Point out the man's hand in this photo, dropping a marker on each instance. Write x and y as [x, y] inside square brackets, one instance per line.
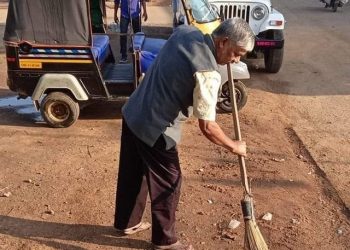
[214, 133]
[145, 16]
[116, 19]
[240, 148]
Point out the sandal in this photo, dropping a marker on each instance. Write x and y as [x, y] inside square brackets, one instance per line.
[176, 246]
[142, 226]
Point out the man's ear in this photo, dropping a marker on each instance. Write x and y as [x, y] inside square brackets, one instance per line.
[223, 41]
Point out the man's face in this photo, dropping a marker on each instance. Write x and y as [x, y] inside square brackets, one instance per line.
[227, 52]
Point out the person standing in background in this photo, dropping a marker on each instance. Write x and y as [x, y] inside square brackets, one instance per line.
[98, 14]
[130, 12]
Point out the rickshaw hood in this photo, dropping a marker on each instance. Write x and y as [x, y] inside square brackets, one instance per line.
[53, 22]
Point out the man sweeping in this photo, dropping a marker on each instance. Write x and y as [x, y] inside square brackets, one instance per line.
[183, 80]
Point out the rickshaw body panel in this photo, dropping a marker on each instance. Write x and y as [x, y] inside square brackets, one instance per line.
[26, 69]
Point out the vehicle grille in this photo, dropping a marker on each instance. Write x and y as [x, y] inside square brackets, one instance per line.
[235, 10]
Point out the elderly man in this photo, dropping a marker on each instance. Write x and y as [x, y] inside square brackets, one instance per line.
[183, 80]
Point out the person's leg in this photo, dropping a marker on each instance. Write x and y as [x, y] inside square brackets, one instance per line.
[136, 27]
[132, 186]
[124, 24]
[136, 24]
[164, 181]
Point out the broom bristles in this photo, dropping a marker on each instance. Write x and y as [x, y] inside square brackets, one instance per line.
[253, 237]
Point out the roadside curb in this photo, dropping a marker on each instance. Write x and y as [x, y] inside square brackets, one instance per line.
[330, 189]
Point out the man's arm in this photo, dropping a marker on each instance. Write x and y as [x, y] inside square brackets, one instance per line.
[116, 7]
[144, 14]
[204, 108]
[214, 133]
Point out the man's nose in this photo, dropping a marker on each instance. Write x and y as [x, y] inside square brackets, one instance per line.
[236, 59]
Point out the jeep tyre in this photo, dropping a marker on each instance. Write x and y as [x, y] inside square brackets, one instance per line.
[335, 6]
[273, 58]
[241, 96]
[59, 110]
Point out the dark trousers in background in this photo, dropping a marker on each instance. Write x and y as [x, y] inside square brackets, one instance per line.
[124, 24]
[143, 170]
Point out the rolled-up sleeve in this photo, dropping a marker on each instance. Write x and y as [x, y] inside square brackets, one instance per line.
[205, 94]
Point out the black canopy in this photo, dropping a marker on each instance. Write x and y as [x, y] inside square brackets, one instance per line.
[51, 22]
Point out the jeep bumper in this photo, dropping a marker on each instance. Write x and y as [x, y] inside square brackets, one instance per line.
[261, 44]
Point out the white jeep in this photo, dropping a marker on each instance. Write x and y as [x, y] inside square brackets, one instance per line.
[267, 24]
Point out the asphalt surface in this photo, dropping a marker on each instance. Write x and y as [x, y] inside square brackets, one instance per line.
[315, 80]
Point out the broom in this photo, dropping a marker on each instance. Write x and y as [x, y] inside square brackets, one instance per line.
[253, 239]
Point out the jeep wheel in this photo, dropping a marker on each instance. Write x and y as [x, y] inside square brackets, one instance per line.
[335, 5]
[273, 60]
[241, 96]
[274, 57]
[59, 110]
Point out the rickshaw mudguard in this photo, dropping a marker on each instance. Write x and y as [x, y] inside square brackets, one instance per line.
[239, 71]
[59, 82]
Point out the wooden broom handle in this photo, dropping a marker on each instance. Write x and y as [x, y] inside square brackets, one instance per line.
[237, 130]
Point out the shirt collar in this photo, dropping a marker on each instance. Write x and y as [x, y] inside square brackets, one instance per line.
[210, 42]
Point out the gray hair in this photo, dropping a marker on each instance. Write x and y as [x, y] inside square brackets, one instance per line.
[238, 32]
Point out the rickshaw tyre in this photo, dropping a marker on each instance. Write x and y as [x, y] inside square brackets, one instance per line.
[241, 97]
[59, 110]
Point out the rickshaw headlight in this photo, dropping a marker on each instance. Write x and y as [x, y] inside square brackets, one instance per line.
[258, 12]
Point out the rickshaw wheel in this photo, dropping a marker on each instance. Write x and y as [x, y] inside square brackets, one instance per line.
[59, 110]
[241, 96]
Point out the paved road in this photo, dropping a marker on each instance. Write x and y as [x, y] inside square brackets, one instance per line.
[315, 82]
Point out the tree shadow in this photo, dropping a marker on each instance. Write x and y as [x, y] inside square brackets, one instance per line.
[53, 234]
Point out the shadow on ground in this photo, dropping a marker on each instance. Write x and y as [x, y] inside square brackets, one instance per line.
[53, 234]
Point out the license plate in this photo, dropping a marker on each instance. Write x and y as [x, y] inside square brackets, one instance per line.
[30, 65]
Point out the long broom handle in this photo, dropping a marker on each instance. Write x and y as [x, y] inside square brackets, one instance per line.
[237, 130]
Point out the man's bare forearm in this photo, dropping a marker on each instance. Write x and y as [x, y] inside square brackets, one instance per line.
[215, 134]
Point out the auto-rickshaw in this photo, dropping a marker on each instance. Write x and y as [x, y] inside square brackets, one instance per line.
[54, 58]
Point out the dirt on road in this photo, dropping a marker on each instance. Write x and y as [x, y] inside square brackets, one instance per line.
[58, 185]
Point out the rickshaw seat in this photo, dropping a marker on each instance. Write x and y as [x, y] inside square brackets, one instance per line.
[148, 48]
[138, 40]
[153, 45]
[100, 47]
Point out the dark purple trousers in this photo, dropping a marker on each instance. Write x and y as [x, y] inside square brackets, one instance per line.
[148, 170]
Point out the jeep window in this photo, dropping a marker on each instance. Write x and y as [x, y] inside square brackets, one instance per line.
[202, 11]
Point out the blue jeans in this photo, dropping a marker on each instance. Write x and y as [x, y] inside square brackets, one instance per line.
[124, 25]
